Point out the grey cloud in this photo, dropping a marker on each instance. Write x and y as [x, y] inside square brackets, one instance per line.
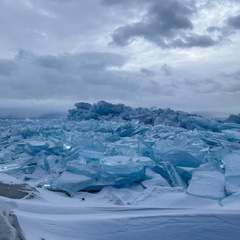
[86, 75]
[167, 24]
[221, 83]
[234, 21]
[51, 62]
[171, 15]
[99, 60]
[230, 82]
[7, 67]
[148, 72]
[154, 88]
[207, 86]
[195, 40]
[197, 86]
[214, 28]
[120, 2]
[50, 27]
[236, 75]
[166, 70]
[232, 24]
[86, 60]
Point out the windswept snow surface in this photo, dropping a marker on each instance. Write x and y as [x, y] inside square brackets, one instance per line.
[56, 216]
[124, 173]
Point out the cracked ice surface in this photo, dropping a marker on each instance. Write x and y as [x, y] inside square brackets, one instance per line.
[105, 148]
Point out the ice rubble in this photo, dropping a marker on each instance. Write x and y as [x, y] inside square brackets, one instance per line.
[108, 111]
[114, 145]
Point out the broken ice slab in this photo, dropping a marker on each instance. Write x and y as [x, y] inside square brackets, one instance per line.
[229, 125]
[70, 182]
[209, 184]
[145, 148]
[153, 179]
[125, 130]
[35, 146]
[125, 169]
[91, 155]
[125, 160]
[91, 170]
[10, 168]
[21, 164]
[232, 135]
[215, 156]
[53, 160]
[115, 160]
[28, 133]
[133, 170]
[140, 130]
[180, 158]
[170, 174]
[58, 147]
[233, 118]
[232, 184]
[232, 201]
[192, 145]
[146, 161]
[6, 156]
[232, 172]
[232, 164]
[185, 173]
[181, 150]
[123, 166]
[112, 138]
[201, 123]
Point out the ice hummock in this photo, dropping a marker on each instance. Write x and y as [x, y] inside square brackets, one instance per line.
[113, 145]
[108, 111]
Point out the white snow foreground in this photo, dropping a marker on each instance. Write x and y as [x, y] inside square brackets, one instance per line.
[156, 213]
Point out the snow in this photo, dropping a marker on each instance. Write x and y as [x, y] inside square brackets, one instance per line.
[56, 216]
[5, 178]
[130, 224]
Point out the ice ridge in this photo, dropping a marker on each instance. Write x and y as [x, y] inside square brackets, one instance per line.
[114, 145]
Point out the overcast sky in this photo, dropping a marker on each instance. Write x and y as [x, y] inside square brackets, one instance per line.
[166, 53]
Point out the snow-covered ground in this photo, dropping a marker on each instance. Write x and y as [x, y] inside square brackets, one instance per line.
[105, 215]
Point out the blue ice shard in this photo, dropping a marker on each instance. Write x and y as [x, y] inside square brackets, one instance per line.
[167, 170]
[70, 182]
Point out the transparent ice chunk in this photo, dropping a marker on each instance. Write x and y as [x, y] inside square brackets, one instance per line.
[70, 182]
[154, 179]
[91, 170]
[35, 146]
[170, 174]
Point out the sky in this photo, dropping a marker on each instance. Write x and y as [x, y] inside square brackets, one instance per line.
[182, 54]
